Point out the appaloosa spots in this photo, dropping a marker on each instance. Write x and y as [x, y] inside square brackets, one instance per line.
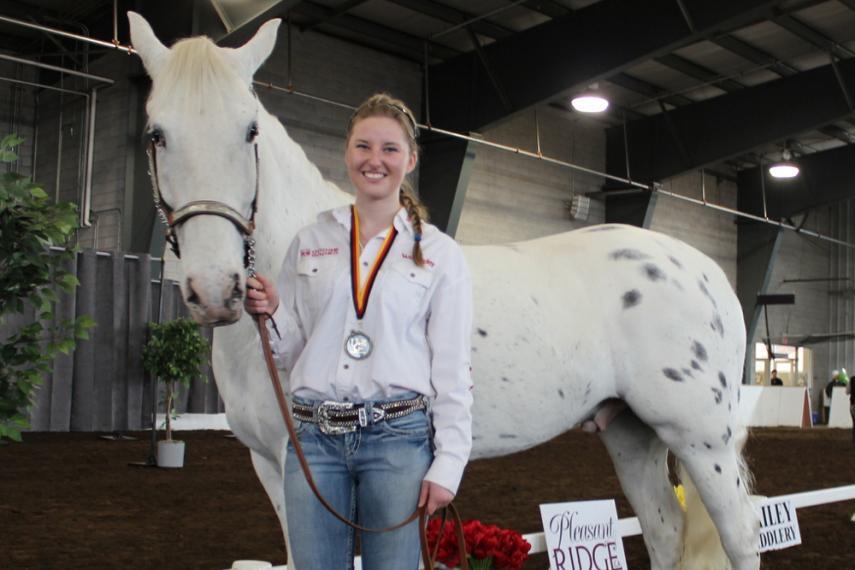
[687, 372]
[717, 325]
[631, 298]
[505, 379]
[696, 365]
[727, 435]
[706, 293]
[708, 446]
[561, 393]
[704, 275]
[717, 394]
[629, 254]
[722, 379]
[673, 374]
[482, 332]
[675, 261]
[652, 272]
[507, 436]
[699, 351]
[534, 300]
[718, 468]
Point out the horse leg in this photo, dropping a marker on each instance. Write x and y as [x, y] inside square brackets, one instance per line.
[270, 473]
[640, 460]
[718, 475]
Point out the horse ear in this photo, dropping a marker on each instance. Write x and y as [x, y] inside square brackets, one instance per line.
[145, 43]
[252, 54]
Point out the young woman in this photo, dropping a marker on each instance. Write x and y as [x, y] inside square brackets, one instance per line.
[371, 319]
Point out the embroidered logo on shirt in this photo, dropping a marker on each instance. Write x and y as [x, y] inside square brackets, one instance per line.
[428, 262]
[319, 252]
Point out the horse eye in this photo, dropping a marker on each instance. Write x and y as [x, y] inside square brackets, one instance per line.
[157, 138]
[252, 132]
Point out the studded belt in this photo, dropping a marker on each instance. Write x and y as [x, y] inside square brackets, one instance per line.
[334, 418]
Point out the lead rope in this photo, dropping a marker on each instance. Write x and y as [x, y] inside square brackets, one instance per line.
[420, 513]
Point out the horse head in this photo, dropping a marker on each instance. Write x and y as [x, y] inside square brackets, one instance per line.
[203, 137]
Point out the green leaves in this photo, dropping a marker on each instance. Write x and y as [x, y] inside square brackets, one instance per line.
[29, 273]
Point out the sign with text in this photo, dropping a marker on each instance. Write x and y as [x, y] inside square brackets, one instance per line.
[583, 535]
[779, 526]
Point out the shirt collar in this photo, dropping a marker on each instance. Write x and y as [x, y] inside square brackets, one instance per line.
[342, 216]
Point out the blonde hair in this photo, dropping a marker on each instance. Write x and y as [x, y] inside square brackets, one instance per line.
[384, 105]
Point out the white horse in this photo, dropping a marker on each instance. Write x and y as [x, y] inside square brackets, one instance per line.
[564, 324]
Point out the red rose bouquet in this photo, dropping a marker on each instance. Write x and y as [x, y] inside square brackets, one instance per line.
[488, 546]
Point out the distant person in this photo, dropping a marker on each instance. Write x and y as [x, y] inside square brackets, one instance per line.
[851, 411]
[826, 394]
[775, 381]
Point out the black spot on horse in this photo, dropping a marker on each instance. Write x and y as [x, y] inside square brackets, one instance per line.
[738, 394]
[722, 379]
[504, 379]
[687, 372]
[672, 374]
[677, 284]
[482, 332]
[717, 393]
[706, 293]
[534, 300]
[717, 325]
[652, 271]
[661, 519]
[699, 351]
[629, 254]
[631, 298]
[507, 436]
[561, 393]
[704, 275]
[708, 446]
[717, 468]
[696, 365]
[727, 435]
[675, 261]
[738, 482]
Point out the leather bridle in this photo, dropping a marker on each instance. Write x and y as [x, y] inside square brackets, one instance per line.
[173, 218]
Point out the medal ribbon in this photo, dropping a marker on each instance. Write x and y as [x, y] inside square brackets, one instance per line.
[360, 294]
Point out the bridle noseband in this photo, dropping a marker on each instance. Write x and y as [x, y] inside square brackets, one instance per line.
[173, 218]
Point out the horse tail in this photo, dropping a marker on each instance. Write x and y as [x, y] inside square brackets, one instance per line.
[702, 548]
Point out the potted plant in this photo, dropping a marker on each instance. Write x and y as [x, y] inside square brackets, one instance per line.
[174, 353]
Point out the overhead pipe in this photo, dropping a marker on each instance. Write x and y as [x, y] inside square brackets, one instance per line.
[90, 159]
[56, 68]
[63, 33]
[269, 85]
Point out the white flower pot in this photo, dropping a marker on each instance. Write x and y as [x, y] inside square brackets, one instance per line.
[170, 454]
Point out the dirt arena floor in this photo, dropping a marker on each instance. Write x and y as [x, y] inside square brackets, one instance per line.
[71, 501]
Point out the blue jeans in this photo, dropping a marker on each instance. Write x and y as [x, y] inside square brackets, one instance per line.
[372, 476]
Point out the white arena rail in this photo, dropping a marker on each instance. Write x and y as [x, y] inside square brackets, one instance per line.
[630, 526]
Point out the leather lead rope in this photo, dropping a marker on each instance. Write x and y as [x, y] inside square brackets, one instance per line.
[420, 513]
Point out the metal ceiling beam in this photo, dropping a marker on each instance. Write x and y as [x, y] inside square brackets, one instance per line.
[374, 34]
[754, 54]
[811, 36]
[653, 92]
[825, 178]
[699, 72]
[548, 8]
[575, 50]
[335, 12]
[451, 15]
[727, 126]
[241, 35]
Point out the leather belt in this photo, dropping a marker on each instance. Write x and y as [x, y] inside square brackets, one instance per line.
[335, 418]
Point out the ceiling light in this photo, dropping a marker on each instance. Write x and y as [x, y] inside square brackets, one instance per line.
[786, 168]
[590, 102]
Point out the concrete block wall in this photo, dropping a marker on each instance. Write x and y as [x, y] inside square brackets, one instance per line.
[513, 197]
[712, 232]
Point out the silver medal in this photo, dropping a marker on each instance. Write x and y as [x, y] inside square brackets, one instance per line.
[358, 345]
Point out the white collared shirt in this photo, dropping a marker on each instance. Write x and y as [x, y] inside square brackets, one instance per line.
[418, 318]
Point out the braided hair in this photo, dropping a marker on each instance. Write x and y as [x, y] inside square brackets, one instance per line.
[384, 105]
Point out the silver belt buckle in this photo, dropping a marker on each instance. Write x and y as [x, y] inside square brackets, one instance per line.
[324, 419]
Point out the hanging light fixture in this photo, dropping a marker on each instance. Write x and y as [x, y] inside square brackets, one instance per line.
[590, 101]
[785, 168]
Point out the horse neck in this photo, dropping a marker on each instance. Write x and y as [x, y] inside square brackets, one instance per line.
[291, 195]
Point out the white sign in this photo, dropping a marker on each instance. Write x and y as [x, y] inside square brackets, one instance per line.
[583, 535]
[779, 526]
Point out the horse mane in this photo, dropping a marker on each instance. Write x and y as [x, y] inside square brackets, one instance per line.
[197, 74]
